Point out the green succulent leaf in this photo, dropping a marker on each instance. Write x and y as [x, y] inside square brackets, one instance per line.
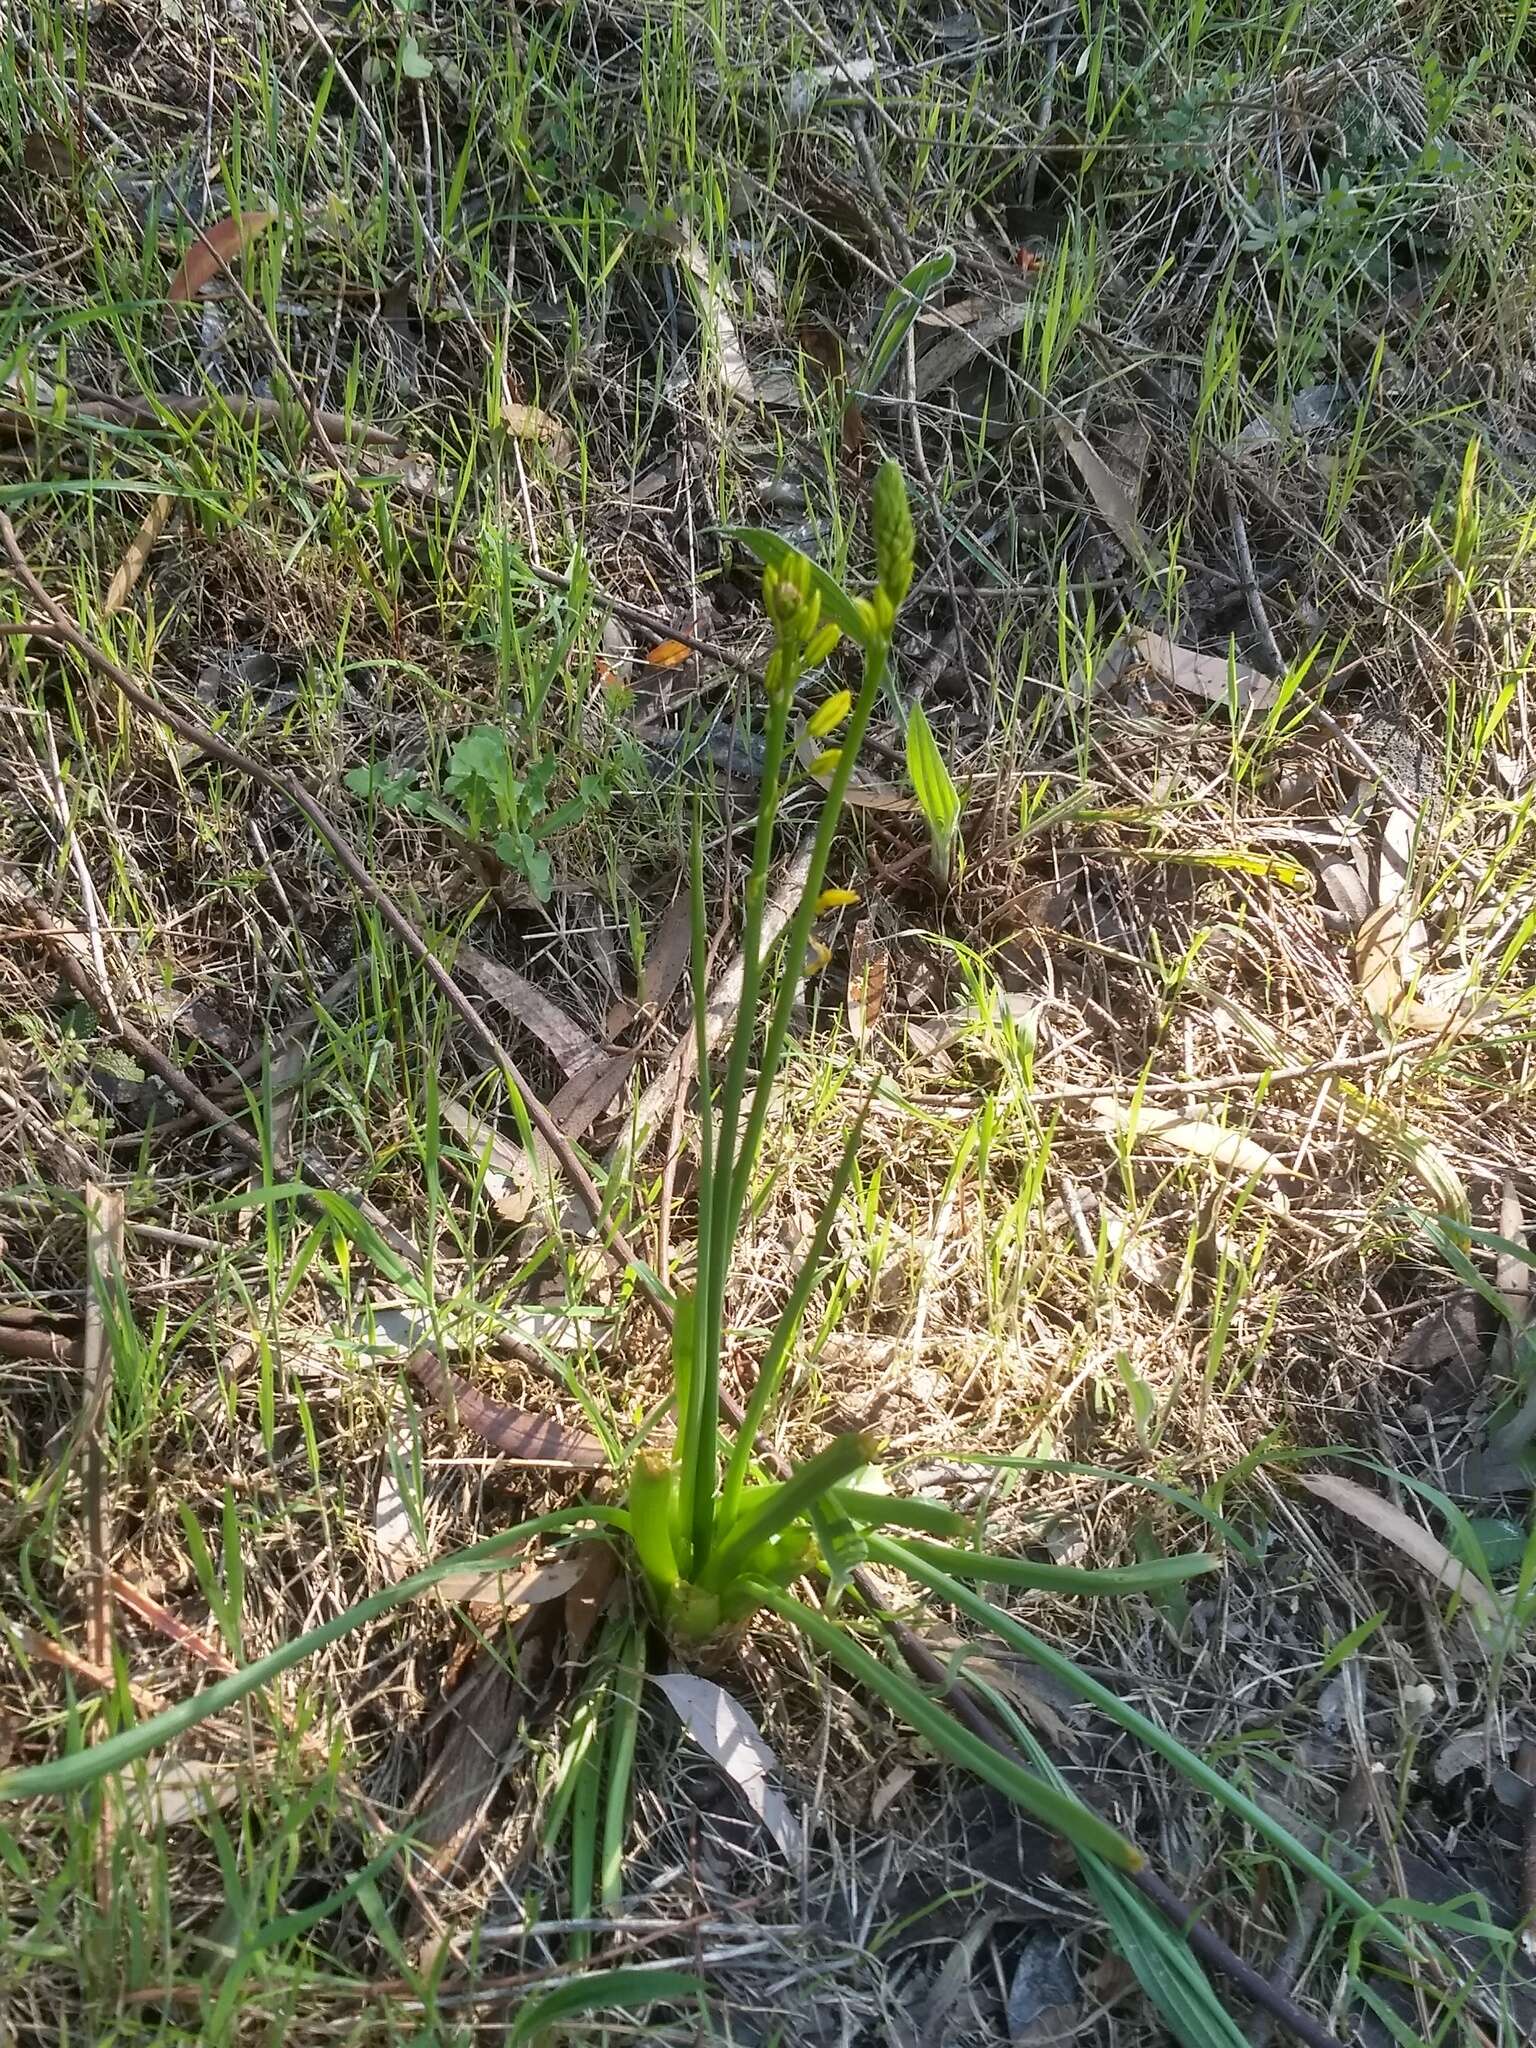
[769, 547]
[899, 312]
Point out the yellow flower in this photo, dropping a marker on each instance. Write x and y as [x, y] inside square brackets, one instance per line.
[835, 899]
[829, 716]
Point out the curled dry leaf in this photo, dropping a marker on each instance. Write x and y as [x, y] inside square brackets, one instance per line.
[668, 654]
[889, 1790]
[1511, 1272]
[866, 791]
[1391, 944]
[178, 1792]
[214, 250]
[1388, 1521]
[1201, 1140]
[715, 312]
[394, 1526]
[531, 1439]
[1397, 991]
[532, 423]
[1205, 675]
[507, 1170]
[866, 981]
[1115, 502]
[722, 1726]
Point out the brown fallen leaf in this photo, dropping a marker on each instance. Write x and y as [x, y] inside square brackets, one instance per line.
[587, 1598]
[214, 250]
[866, 791]
[961, 344]
[532, 423]
[530, 1439]
[1201, 1140]
[586, 1096]
[1388, 1521]
[890, 1789]
[1397, 991]
[560, 1035]
[662, 968]
[1205, 675]
[178, 1792]
[484, 1714]
[1116, 505]
[669, 654]
[131, 567]
[716, 303]
[722, 1727]
[508, 1174]
[866, 981]
[509, 1588]
[394, 1526]
[1512, 1277]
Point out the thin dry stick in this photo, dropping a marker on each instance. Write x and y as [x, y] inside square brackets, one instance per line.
[103, 1272]
[1179, 1912]
[151, 409]
[56, 624]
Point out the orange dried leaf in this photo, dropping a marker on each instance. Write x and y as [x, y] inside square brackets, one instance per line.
[669, 654]
[214, 250]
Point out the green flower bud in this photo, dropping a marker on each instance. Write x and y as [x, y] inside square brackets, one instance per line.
[785, 584]
[822, 644]
[779, 675]
[869, 618]
[809, 616]
[895, 541]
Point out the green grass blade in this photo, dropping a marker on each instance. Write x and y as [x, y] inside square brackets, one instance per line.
[891, 1511]
[899, 1557]
[88, 1766]
[623, 1735]
[771, 1368]
[934, 787]
[625, 1990]
[1153, 1576]
[1056, 1810]
[899, 312]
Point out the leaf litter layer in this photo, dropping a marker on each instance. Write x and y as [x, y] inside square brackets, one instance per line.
[1218, 438]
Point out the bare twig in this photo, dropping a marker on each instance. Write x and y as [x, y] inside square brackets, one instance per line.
[1206, 1944]
[151, 409]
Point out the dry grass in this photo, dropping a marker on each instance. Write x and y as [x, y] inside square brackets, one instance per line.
[1279, 279]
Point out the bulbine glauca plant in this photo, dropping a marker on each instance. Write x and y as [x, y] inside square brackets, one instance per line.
[714, 1539]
